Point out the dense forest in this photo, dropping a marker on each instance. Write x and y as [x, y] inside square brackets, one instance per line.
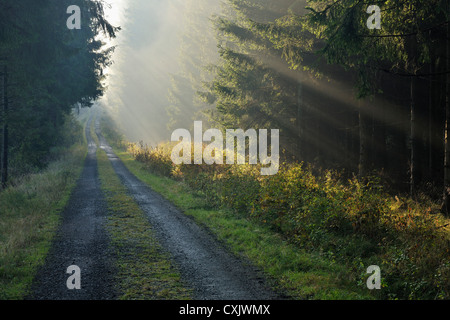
[360, 94]
[365, 101]
[346, 97]
[47, 71]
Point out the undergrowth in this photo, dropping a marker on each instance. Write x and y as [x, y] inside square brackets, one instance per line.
[351, 221]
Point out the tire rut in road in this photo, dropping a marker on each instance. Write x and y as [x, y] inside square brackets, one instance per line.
[81, 240]
[212, 272]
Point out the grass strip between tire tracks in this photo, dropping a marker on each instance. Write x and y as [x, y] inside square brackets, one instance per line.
[144, 269]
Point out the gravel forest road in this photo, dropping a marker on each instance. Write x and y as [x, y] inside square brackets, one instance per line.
[205, 264]
[81, 240]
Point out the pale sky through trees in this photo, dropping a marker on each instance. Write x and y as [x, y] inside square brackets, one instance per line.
[147, 52]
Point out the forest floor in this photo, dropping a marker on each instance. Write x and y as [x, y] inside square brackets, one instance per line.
[102, 235]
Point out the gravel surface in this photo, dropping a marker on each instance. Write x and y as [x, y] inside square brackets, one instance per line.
[81, 240]
[205, 264]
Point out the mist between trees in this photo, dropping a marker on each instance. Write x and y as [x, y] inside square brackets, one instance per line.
[364, 101]
[346, 97]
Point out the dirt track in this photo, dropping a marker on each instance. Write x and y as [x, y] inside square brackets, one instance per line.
[81, 240]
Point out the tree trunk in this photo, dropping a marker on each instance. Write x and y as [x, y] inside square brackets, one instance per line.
[300, 118]
[363, 137]
[413, 139]
[4, 167]
[381, 137]
[430, 126]
[446, 201]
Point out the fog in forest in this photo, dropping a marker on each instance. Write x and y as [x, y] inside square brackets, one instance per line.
[161, 40]
[149, 51]
[350, 98]
[180, 61]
